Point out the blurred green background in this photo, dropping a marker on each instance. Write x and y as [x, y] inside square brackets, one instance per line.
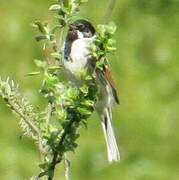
[146, 69]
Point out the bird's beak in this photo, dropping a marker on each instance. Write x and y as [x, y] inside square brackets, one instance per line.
[72, 27]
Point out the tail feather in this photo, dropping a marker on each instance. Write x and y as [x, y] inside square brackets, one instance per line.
[112, 148]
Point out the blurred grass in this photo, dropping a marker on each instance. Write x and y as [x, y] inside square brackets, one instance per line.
[145, 67]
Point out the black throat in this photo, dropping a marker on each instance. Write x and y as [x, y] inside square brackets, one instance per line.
[68, 43]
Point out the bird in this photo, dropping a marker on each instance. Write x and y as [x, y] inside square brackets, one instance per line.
[81, 34]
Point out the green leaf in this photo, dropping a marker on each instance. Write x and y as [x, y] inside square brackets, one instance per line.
[104, 43]
[55, 7]
[53, 68]
[33, 73]
[84, 111]
[40, 64]
[88, 103]
[111, 28]
[61, 114]
[81, 74]
[51, 80]
[70, 147]
[56, 55]
[40, 37]
[88, 78]
[42, 28]
[84, 89]
[60, 18]
[100, 65]
[72, 93]
[44, 166]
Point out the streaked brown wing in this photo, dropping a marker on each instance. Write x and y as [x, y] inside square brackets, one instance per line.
[108, 76]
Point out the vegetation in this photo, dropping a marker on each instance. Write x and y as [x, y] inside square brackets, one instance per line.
[56, 128]
[145, 67]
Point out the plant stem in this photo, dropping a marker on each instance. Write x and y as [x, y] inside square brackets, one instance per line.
[66, 166]
[25, 117]
[56, 157]
[109, 11]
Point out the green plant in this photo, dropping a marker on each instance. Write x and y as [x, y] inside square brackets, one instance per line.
[56, 129]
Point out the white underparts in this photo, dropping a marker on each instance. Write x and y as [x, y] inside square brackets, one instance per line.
[79, 55]
[80, 35]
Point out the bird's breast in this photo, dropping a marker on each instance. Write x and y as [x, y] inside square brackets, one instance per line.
[79, 55]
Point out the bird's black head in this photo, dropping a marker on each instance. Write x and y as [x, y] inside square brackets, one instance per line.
[81, 29]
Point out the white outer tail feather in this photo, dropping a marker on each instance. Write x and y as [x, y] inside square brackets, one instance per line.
[112, 148]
